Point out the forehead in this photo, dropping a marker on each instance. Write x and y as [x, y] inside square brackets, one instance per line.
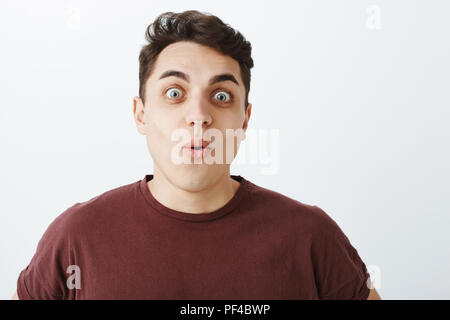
[198, 61]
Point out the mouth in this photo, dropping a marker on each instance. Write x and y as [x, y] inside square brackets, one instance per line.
[198, 145]
[198, 149]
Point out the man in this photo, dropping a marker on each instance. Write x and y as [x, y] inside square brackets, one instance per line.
[191, 230]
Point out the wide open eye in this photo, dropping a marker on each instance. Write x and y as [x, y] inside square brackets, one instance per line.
[223, 96]
[173, 93]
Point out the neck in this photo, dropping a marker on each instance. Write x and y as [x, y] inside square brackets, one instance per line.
[207, 200]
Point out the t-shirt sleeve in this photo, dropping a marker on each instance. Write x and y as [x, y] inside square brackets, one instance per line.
[340, 273]
[45, 276]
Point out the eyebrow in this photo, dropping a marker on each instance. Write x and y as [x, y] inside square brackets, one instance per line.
[213, 80]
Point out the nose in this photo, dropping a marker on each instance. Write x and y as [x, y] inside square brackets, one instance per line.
[198, 114]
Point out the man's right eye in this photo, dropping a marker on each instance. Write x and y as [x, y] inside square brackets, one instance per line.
[173, 93]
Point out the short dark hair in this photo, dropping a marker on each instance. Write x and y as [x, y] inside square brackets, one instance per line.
[199, 27]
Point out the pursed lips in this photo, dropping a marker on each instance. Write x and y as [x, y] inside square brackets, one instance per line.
[199, 145]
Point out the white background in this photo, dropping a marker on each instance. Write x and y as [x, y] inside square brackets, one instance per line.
[363, 116]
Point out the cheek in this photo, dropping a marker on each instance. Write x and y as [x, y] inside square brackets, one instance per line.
[159, 133]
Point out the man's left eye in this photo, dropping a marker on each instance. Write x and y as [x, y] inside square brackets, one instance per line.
[223, 96]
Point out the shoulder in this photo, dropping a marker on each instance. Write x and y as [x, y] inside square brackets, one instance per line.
[81, 216]
[305, 217]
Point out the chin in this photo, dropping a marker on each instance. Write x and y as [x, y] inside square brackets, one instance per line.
[194, 179]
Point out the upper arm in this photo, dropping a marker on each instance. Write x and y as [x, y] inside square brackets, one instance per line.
[15, 296]
[373, 295]
[44, 278]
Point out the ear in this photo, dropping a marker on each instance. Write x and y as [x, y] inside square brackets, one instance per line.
[138, 113]
[248, 113]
